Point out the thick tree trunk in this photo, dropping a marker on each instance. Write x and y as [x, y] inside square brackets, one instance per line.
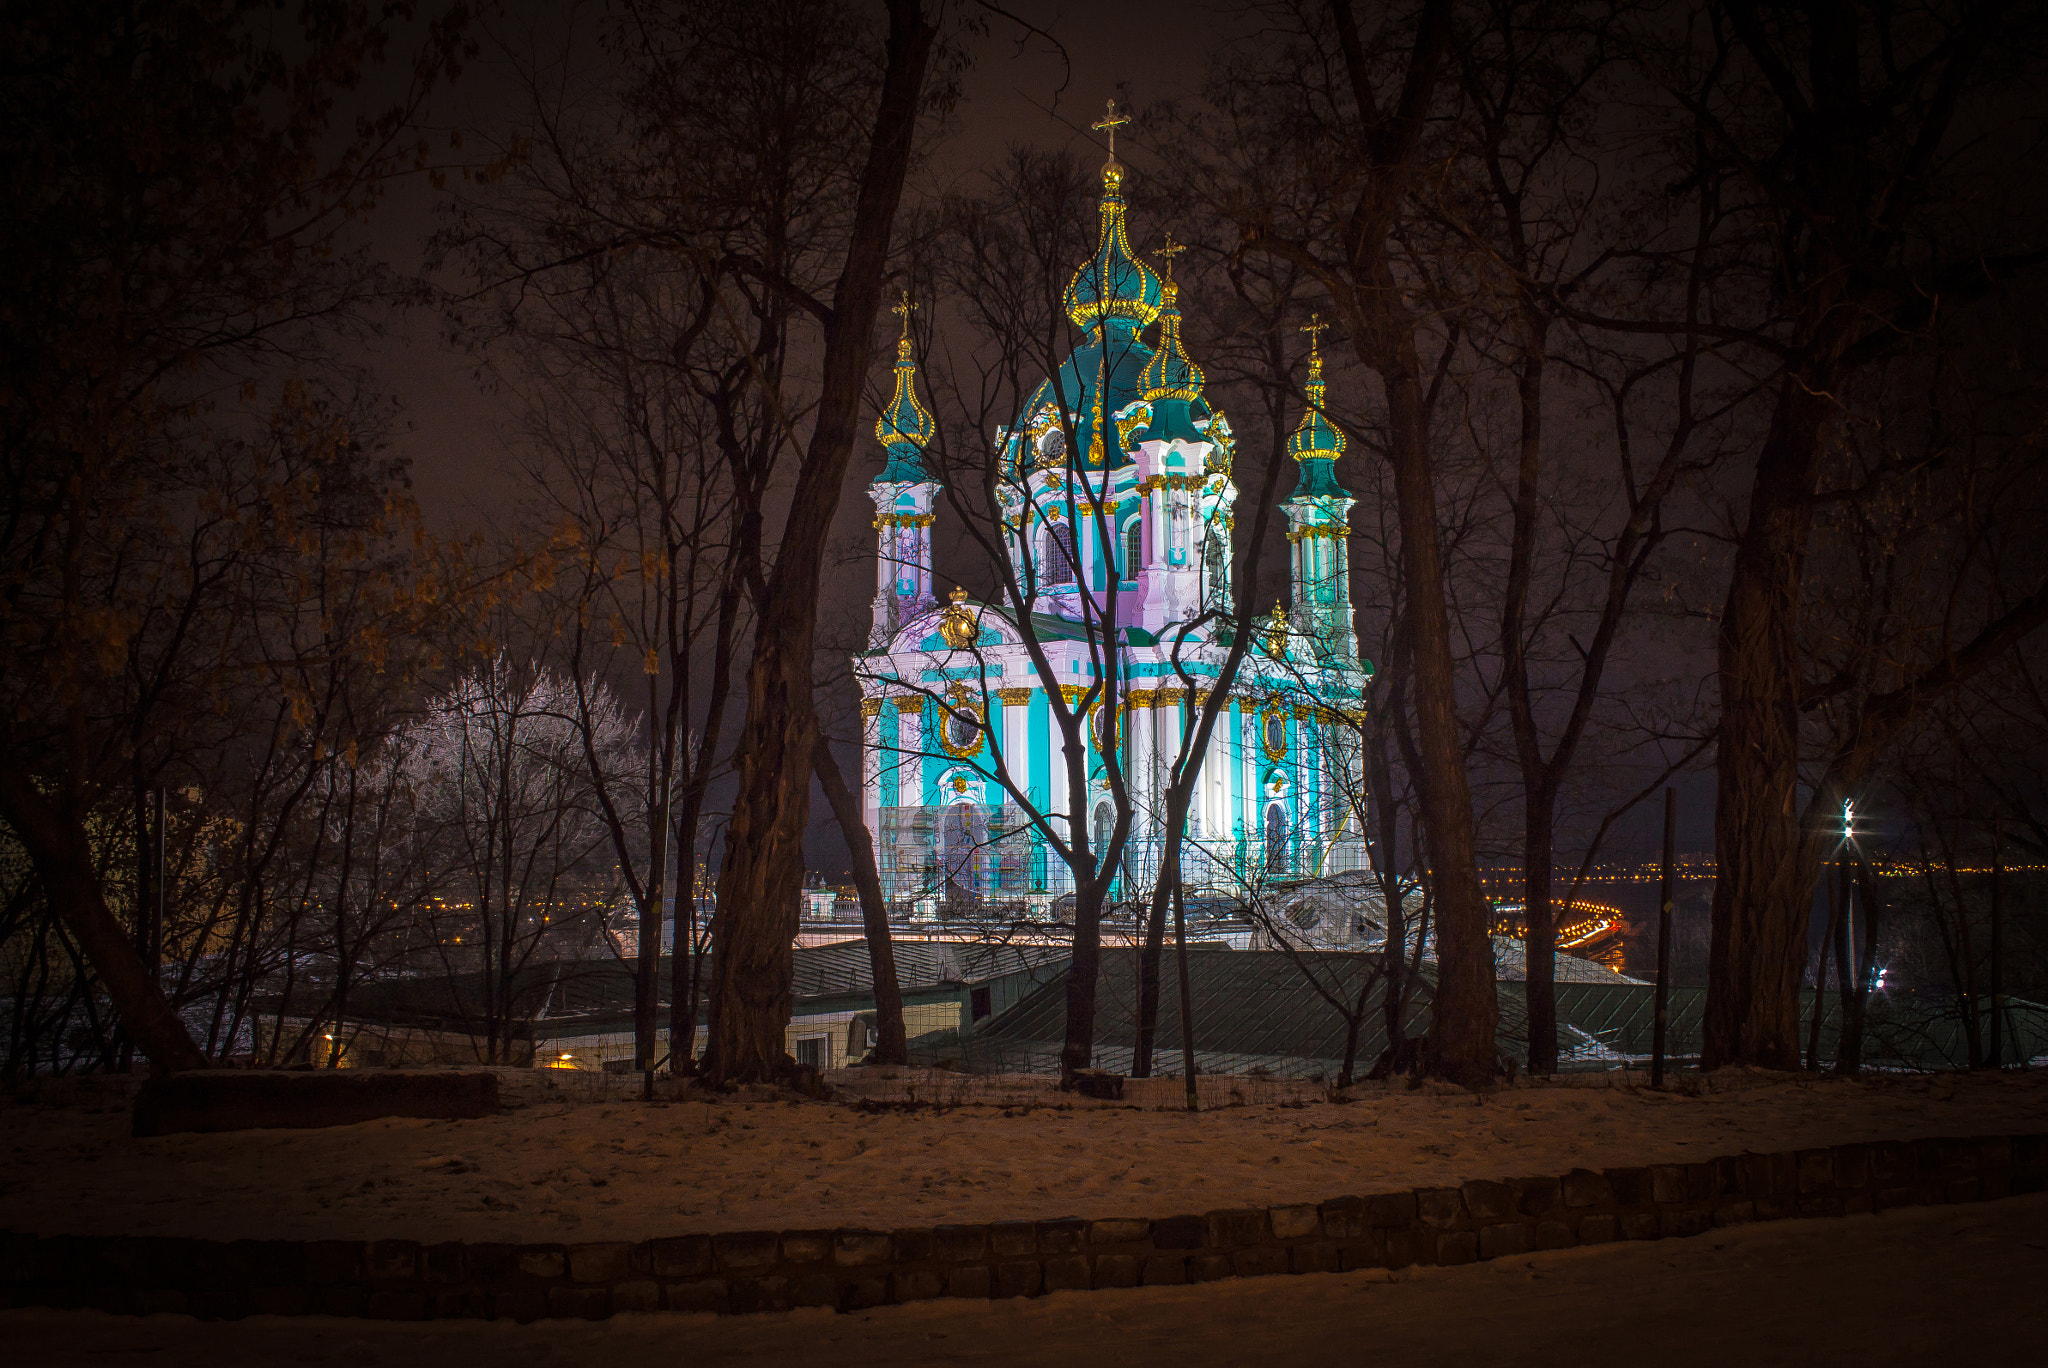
[891, 1047]
[1763, 888]
[62, 853]
[1466, 1011]
[1084, 971]
[762, 876]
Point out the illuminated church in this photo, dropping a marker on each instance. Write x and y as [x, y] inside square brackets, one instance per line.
[1116, 499]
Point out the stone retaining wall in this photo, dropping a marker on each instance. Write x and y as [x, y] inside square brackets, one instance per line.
[768, 1270]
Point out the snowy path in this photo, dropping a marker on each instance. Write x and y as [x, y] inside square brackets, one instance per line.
[556, 1169]
[1914, 1286]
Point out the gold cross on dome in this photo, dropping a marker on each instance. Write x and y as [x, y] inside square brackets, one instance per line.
[1315, 328]
[1167, 253]
[1109, 123]
[903, 311]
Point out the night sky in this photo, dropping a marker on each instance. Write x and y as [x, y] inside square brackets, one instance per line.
[459, 412]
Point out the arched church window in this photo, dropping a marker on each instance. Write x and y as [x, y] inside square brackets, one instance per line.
[1134, 548]
[1060, 561]
[1276, 838]
[1051, 446]
[1105, 826]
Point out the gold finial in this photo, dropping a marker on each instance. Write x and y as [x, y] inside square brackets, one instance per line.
[958, 623]
[1167, 253]
[1109, 123]
[903, 310]
[1315, 328]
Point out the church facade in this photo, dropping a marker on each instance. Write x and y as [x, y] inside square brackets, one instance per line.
[1115, 505]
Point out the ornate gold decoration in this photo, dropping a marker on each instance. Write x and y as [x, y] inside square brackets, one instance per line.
[1146, 486]
[1073, 693]
[959, 701]
[1272, 712]
[1130, 423]
[958, 624]
[1276, 635]
[1014, 698]
[910, 703]
[871, 707]
[1142, 698]
[903, 520]
[1169, 698]
[1302, 534]
[1222, 442]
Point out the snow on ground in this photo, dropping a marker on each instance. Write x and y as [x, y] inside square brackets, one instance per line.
[1911, 1287]
[567, 1162]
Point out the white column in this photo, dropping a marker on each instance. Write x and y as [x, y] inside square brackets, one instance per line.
[910, 748]
[1055, 741]
[871, 764]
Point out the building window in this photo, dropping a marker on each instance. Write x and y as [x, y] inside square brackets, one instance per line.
[1276, 838]
[1275, 735]
[1134, 548]
[810, 1051]
[977, 1004]
[1059, 561]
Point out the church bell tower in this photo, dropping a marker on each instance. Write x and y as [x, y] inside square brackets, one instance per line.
[903, 495]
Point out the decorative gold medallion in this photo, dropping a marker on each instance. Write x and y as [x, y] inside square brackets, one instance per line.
[958, 623]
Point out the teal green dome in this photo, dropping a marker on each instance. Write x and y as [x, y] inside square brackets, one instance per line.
[1316, 443]
[905, 426]
[1115, 284]
[1173, 383]
[1170, 374]
[1100, 379]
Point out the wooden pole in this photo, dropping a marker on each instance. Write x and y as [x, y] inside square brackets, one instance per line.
[1997, 944]
[1664, 940]
[1187, 1005]
[1820, 970]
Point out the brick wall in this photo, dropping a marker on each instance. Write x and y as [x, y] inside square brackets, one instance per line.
[745, 1271]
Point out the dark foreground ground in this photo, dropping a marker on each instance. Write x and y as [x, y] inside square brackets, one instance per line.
[1918, 1286]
